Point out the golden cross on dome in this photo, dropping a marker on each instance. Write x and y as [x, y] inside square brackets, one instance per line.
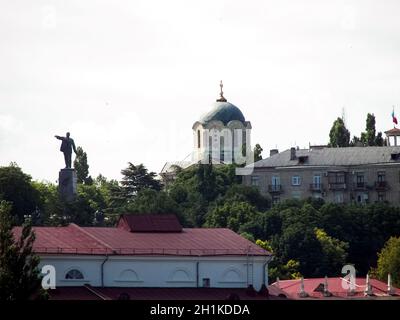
[221, 98]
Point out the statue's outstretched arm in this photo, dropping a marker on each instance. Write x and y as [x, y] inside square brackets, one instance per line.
[73, 146]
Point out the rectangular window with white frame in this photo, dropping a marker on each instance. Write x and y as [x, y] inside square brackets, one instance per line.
[296, 181]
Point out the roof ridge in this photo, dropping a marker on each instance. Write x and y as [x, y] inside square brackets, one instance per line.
[91, 236]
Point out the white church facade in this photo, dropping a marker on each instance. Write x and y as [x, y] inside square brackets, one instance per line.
[221, 136]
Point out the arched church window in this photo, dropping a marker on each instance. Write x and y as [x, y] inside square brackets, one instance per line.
[198, 139]
[222, 149]
[210, 144]
[74, 274]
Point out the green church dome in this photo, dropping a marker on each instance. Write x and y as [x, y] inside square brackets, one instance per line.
[223, 111]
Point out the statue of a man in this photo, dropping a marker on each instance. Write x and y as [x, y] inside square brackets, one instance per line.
[66, 147]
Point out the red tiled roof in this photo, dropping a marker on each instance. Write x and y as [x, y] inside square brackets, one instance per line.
[393, 131]
[113, 293]
[150, 223]
[292, 287]
[73, 239]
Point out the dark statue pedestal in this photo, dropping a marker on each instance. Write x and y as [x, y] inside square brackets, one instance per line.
[67, 181]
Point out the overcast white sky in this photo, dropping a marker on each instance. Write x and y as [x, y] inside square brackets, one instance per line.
[129, 78]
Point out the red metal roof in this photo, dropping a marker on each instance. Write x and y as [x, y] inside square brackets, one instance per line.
[150, 223]
[394, 131]
[73, 239]
[113, 293]
[292, 287]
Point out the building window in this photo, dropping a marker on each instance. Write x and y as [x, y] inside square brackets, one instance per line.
[360, 180]
[222, 149]
[206, 282]
[339, 198]
[276, 181]
[276, 199]
[336, 177]
[74, 274]
[316, 185]
[317, 195]
[255, 181]
[381, 197]
[362, 197]
[296, 180]
[198, 139]
[381, 176]
[296, 195]
[210, 147]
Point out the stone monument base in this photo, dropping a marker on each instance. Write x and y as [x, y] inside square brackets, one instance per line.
[67, 181]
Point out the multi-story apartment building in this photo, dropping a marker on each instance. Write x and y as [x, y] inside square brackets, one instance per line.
[341, 175]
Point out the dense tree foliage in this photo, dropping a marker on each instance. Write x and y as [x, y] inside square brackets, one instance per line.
[136, 178]
[257, 153]
[309, 238]
[322, 237]
[339, 136]
[369, 136]
[82, 167]
[389, 262]
[16, 187]
[19, 273]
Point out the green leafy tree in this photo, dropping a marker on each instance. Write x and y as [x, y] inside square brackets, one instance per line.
[287, 271]
[232, 215]
[19, 273]
[112, 194]
[370, 131]
[243, 193]
[257, 152]
[389, 261]
[16, 187]
[136, 178]
[356, 142]
[339, 136]
[379, 141]
[81, 166]
[49, 203]
[206, 181]
[150, 201]
[334, 253]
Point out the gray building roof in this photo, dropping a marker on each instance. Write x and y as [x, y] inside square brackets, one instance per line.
[170, 167]
[351, 156]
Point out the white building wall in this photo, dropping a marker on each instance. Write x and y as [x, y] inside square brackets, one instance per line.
[88, 265]
[134, 271]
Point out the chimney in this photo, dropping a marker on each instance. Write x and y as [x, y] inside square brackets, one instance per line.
[302, 293]
[390, 290]
[368, 288]
[326, 291]
[293, 153]
[273, 151]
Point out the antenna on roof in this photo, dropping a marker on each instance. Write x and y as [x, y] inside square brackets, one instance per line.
[344, 115]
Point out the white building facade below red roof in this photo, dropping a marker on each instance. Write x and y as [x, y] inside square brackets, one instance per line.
[116, 257]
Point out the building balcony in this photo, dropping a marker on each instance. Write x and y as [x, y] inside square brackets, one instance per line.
[381, 185]
[360, 186]
[275, 188]
[316, 187]
[337, 186]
